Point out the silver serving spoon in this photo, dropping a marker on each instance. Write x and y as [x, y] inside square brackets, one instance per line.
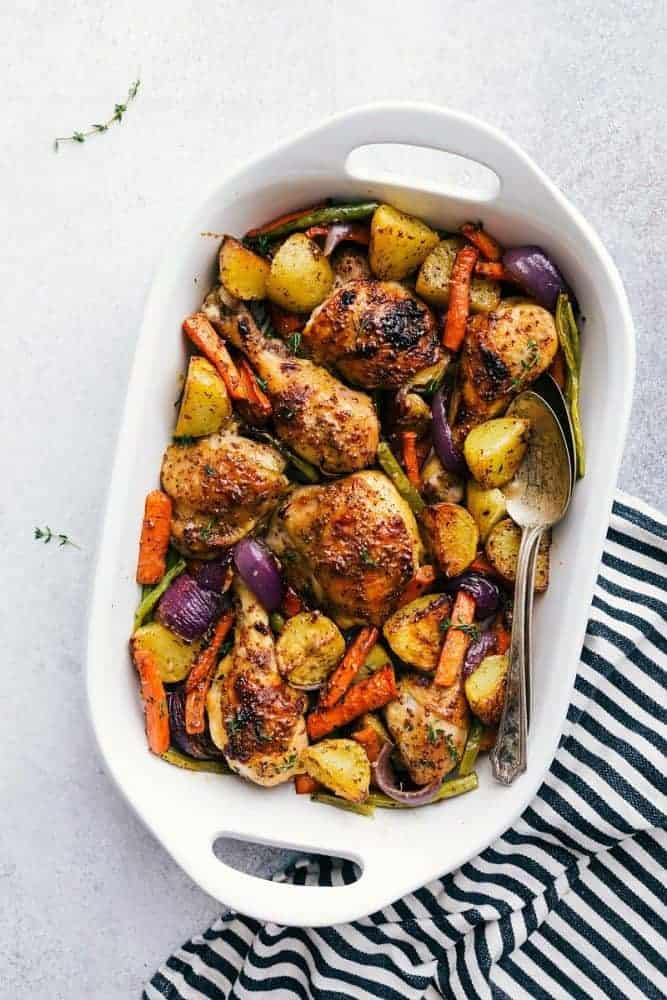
[537, 498]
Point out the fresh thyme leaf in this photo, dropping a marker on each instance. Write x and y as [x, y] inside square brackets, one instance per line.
[471, 630]
[233, 724]
[209, 470]
[433, 734]
[288, 763]
[207, 530]
[453, 753]
[117, 116]
[225, 649]
[366, 557]
[260, 244]
[45, 535]
[184, 440]
[294, 342]
[261, 382]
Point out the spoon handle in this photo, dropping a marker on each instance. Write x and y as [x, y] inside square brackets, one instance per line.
[508, 758]
[528, 625]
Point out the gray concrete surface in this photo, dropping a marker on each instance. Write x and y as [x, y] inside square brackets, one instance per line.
[89, 903]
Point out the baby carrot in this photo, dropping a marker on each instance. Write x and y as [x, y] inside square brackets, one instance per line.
[155, 533]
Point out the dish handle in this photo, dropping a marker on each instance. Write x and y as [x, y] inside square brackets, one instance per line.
[285, 903]
[428, 126]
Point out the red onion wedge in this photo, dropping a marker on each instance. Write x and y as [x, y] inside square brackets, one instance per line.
[200, 745]
[536, 274]
[213, 575]
[485, 591]
[258, 570]
[339, 232]
[443, 441]
[188, 609]
[386, 780]
[485, 646]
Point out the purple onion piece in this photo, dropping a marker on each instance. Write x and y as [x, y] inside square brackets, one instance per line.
[258, 570]
[485, 591]
[386, 780]
[213, 575]
[443, 441]
[200, 745]
[188, 609]
[485, 646]
[341, 231]
[536, 274]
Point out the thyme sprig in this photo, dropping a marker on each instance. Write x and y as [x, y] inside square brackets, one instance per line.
[45, 535]
[117, 116]
[472, 630]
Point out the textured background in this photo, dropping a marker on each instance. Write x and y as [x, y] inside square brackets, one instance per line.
[89, 902]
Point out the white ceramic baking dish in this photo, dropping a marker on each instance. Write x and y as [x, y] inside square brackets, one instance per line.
[397, 851]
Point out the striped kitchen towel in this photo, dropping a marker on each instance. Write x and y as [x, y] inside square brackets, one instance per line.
[570, 902]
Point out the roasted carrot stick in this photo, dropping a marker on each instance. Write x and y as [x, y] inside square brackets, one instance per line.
[374, 692]
[349, 666]
[285, 322]
[203, 336]
[292, 603]
[305, 785]
[155, 700]
[459, 297]
[481, 564]
[410, 460]
[154, 542]
[503, 637]
[418, 585]
[201, 675]
[487, 246]
[317, 231]
[370, 740]
[491, 269]
[281, 220]
[558, 370]
[259, 401]
[456, 641]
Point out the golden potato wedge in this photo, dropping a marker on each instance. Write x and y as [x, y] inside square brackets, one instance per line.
[502, 551]
[377, 658]
[399, 243]
[242, 272]
[439, 485]
[435, 274]
[173, 655]
[453, 535]
[205, 405]
[486, 506]
[494, 450]
[309, 647]
[300, 276]
[485, 689]
[414, 631]
[341, 765]
[216, 721]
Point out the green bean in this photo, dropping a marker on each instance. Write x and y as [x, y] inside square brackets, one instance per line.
[469, 757]
[448, 790]
[568, 337]
[361, 808]
[323, 217]
[179, 759]
[398, 477]
[150, 599]
[308, 471]
[277, 622]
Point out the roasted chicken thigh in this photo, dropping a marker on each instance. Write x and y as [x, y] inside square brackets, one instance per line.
[353, 544]
[376, 333]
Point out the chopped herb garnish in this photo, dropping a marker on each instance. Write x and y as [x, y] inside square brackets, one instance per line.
[294, 342]
[225, 649]
[117, 116]
[207, 530]
[45, 535]
[209, 470]
[260, 244]
[289, 555]
[261, 382]
[433, 734]
[184, 440]
[453, 753]
[366, 557]
[288, 762]
[471, 630]
[233, 724]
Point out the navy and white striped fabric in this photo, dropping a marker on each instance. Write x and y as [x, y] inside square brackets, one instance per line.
[570, 902]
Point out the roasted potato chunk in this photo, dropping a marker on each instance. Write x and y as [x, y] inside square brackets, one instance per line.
[414, 632]
[486, 506]
[485, 689]
[439, 485]
[399, 243]
[242, 272]
[435, 274]
[300, 276]
[494, 450]
[377, 658]
[309, 648]
[173, 655]
[453, 536]
[341, 765]
[502, 551]
[205, 404]
[369, 720]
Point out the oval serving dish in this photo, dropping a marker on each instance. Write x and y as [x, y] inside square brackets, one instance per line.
[396, 850]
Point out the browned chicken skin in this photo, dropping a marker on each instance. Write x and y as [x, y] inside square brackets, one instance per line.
[265, 729]
[321, 419]
[353, 544]
[429, 725]
[222, 486]
[377, 333]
